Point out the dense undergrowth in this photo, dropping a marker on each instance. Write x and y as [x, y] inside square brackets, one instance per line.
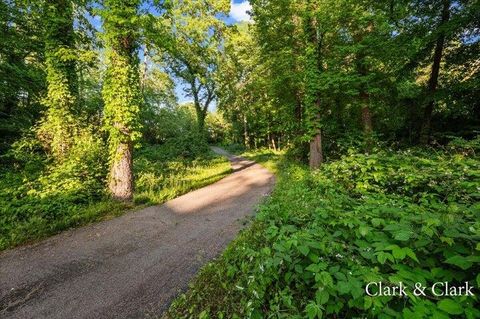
[410, 216]
[38, 199]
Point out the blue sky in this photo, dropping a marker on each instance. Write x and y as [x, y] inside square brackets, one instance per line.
[238, 11]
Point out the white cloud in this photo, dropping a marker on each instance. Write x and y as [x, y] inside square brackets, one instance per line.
[239, 11]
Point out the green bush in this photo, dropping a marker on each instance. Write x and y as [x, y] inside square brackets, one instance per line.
[39, 196]
[406, 216]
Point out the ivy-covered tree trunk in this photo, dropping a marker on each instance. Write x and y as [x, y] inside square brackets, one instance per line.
[201, 106]
[58, 127]
[121, 92]
[433, 80]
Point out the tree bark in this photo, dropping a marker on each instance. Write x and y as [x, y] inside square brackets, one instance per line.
[362, 69]
[366, 117]
[366, 121]
[272, 140]
[121, 174]
[245, 132]
[316, 150]
[143, 82]
[316, 153]
[433, 80]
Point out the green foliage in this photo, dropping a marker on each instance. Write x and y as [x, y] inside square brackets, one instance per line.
[59, 124]
[121, 89]
[81, 175]
[393, 216]
[188, 35]
[22, 77]
[349, 65]
[175, 128]
[41, 197]
[163, 123]
[217, 128]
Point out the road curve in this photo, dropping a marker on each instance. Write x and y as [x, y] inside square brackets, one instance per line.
[134, 265]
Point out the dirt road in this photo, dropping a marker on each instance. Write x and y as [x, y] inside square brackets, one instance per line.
[134, 265]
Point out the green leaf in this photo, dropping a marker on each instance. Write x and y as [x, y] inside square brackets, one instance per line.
[364, 230]
[399, 253]
[304, 250]
[313, 311]
[402, 235]
[325, 278]
[367, 303]
[313, 268]
[322, 296]
[450, 306]
[459, 261]
[383, 256]
[343, 287]
[410, 254]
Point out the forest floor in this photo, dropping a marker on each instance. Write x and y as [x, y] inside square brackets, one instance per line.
[134, 265]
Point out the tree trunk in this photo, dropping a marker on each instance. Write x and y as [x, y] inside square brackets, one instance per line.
[201, 121]
[273, 142]
[143, 82]
[364, 96]
[59, 124]
[201, 112]
[367, 127]
[121, 176]
[121, 93]
[433, 81]
[245, 132]
[316, 153]
[367, 120]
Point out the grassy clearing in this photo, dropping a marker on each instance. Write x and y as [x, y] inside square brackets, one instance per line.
[393, 216]
[35, 203]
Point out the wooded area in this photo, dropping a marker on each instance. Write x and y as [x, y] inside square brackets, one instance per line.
[374, 106]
